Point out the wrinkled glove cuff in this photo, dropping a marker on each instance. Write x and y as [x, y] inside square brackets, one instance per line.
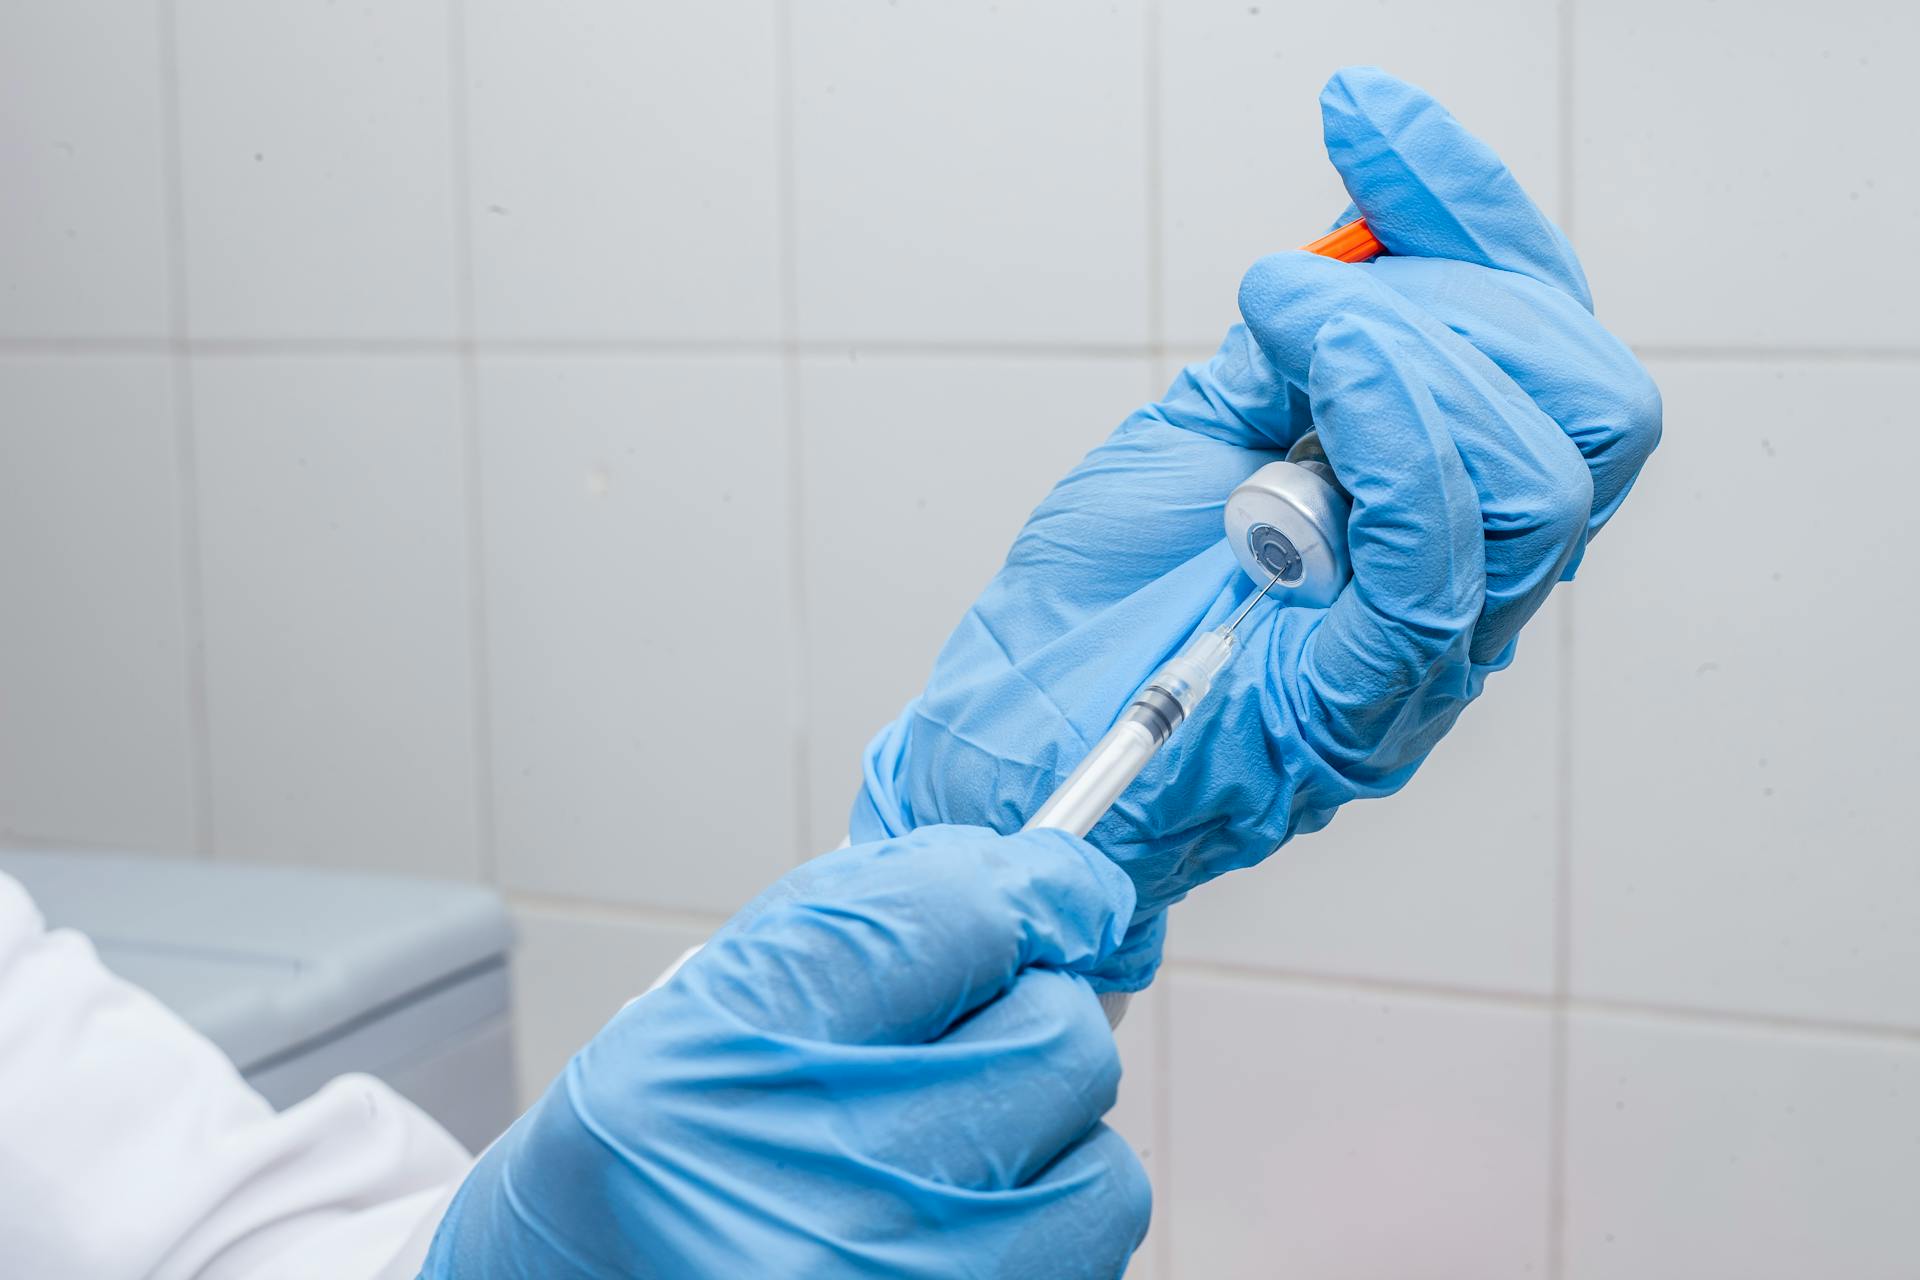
[879, 811]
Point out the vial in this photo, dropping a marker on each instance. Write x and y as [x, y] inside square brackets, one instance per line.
[1290, 518]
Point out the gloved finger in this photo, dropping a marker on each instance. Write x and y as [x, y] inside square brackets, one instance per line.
[1531, 490]
[1398, 637]
[1583, 377]
[1099, 1204]
[1011, 1087]
[1431, 189]
[1132, 967]
[1378, 387]
[1080, 1218]
[1236, 397]
[895, 942]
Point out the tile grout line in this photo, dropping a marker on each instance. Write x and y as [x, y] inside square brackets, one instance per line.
[1559, 1044]
[1700, 1018]
[1559, 1048]
[800, 659]
[1156, 234]
[1696, 1016]
[178, 349]
[1764, 353]
[881, 347]
[617, 912]
[479, 650]
[1355, 984]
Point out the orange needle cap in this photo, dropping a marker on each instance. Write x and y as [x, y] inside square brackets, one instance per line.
[1351, 243]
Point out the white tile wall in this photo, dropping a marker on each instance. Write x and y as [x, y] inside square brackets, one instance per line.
[83, 231]
[971, 172]
[1341, 1134]
[639, 626]
[1139, 1114]
[917, 473]
[339, 630]
[316, 169]
[625, 170]
[96, 734]
[1244, 169]
[497, 323]
[1737, 179]
[1743, 761]
[1722, 1152]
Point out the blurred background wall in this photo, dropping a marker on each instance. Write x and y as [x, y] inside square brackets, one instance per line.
[540, 443]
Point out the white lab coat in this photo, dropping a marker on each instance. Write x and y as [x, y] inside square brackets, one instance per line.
[130, 1147]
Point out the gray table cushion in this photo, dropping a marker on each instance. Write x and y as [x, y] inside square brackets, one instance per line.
[263, 959]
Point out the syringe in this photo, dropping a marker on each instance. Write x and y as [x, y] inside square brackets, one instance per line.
[1287, 526]
[1287, 520]
[1168, 697]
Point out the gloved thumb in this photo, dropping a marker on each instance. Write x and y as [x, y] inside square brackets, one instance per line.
[895, 942]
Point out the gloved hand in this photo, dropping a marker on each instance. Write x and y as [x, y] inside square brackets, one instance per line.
[1486, 426]
[884, 1066]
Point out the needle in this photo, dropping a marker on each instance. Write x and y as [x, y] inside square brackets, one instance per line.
[1247, 608]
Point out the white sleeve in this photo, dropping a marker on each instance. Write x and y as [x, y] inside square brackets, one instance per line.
[130, 1147]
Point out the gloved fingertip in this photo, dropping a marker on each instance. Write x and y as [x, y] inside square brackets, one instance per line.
[1348, 350]
[1279, 278]
[1274, 294]
[1119, 1196]
[1572, 568]
[1361, 91]
[1098, 881]
[1134, 1188]
[1430, 187]
[1364, 111]
[1132, 967]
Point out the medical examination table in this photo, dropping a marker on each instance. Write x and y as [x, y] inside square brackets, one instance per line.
[300, 975]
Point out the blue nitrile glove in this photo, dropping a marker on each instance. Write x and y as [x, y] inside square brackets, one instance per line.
[887, 1065]
[1485, 424]
[1468, 247]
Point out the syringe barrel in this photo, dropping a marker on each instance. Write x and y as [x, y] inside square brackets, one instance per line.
[1112, 765]
[1168, 697]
